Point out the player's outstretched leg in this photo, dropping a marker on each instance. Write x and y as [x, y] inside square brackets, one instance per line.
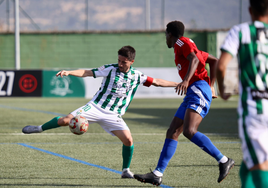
[225, 163]
[53, 123]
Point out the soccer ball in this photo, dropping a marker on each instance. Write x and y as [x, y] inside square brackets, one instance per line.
[78, 125]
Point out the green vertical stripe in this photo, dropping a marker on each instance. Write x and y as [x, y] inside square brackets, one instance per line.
[253, 48]
[248, 68]
[108, 99]
[259, 106]
[244, 97]
[104, 88]
[125, 98]
[123, 104]
[115, 104]
[134, 89]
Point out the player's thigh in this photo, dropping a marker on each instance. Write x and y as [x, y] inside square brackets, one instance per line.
[198, 98]
[253, 132]
[124, 136]
[112, 122]
[192, 120]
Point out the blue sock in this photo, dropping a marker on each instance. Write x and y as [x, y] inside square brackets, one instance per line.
[205, 144]
[167, 153]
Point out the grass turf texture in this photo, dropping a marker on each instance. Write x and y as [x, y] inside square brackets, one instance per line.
[148, 120]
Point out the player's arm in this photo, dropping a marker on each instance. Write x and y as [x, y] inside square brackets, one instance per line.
[163, 83]
[224, 60]
[193, 64]
[77, 73]
[212, 62]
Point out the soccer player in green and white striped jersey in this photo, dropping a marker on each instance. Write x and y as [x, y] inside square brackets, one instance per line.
[119, 85]
[249, 41]
[117, 88]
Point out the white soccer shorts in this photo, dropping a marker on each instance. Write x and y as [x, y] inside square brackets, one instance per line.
[108, 120]
[253, 132]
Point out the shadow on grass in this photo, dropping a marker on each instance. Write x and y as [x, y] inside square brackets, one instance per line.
[218, 120]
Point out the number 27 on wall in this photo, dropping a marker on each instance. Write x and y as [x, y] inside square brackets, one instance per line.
[3, 77]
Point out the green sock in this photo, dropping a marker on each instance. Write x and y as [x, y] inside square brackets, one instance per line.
[53, 123]
[260, 178]
[246, 177]
[127, 152]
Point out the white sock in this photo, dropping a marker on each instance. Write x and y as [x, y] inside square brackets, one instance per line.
[125, 169]
[40, 128]
[157, 173]
[224, 159]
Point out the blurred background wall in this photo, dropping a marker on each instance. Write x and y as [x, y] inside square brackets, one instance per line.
[71, 34]
[90, 50]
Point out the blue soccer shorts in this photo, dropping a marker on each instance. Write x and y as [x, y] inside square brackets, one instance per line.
[198, 98]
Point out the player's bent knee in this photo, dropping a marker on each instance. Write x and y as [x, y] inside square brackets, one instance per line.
[188, 133]
[173, 133]
[128, 141]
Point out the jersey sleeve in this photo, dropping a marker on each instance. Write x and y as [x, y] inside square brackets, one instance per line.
[102, 71]
[145, 80]
[231, 42]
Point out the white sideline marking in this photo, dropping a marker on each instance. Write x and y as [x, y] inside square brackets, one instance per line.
[67, 134]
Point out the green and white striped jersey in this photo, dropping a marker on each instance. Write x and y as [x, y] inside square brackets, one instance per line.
[249, 41]
[117, 88]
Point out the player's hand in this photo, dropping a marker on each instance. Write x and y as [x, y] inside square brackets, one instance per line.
[214, 96]
[181, 88]
[62, 73]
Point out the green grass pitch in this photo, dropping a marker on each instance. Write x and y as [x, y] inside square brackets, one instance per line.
[51, 164]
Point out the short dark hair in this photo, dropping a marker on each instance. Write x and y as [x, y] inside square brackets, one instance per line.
[176, 28]
[259, 7]
[128, 52]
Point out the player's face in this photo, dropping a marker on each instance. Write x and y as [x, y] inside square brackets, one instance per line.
[168, 40]
[124, 64]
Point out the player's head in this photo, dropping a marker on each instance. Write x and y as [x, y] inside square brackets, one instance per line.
[174, 30]
[258, 8]
[126, 56]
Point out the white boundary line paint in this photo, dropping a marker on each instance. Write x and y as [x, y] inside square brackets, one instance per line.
[138, 134]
